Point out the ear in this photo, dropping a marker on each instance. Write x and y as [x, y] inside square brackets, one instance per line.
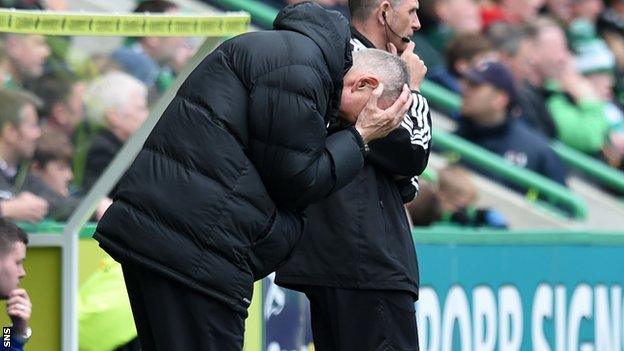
[462, 65]
[9, 132]
[111, 118]
[383, 7]
[36, 168]
[501, 100]
[365, 82]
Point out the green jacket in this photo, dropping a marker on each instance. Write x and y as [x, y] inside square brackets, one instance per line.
[580, 125]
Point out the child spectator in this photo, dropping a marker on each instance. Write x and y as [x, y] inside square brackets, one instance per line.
[458, 199]
[52, 175]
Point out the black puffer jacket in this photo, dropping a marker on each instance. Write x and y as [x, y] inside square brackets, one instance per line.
[213, 198]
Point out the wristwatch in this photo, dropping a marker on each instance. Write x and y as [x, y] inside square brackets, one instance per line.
[24, 337]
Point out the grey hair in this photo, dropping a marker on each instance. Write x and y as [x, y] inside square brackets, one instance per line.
[362, 9]
[391, 70]
[112, 90]
[507, 38]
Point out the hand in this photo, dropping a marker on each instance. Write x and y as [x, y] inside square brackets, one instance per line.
[25, 207]
[416, 66]
[575, 84]
[374, 123]
[19, 309]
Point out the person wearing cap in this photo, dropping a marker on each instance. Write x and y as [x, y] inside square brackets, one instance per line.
[489, 99]
[13, 243]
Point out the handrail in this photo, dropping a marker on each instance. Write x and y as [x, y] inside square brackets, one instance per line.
[591, 167]
[441, 97]
[451, 102]
[53, 227]
[551, 191]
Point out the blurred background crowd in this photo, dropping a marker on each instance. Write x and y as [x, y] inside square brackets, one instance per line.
[65, 113]
[529, 72]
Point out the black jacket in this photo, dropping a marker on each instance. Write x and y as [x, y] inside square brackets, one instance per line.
[517, 143]
[359, 237]
[213, 198]
[104, 146]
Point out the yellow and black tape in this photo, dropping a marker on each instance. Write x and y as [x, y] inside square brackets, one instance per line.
[128, 25]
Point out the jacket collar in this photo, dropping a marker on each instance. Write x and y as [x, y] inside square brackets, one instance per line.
[355, 34]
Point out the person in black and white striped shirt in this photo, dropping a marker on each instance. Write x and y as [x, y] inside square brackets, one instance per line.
[356, 261]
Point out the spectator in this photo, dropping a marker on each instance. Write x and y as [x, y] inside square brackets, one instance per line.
[52, 174]
[13, 243]
[63, 108]
[150, 59]
[560, 11]
[587, 9]
[63, 111]
[51, 162]
[425, 209]
[26, 54]
[457, 194]
[516, 52]
[610, 25]
[597, 64]
[451, 18]
[489, 97]
[577, 112]
[118, 102]
[510, 11]
[462, 52]
[18, 134]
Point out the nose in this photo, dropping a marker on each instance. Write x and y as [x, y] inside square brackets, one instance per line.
[69, 175]
[37, 132]
[416, 23]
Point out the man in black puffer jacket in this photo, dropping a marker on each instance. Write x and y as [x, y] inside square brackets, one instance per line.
[213, 201]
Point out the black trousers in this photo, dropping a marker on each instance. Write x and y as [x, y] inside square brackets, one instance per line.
[362, 320]
[170, 316]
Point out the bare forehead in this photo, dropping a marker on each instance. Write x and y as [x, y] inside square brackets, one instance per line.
[18, 251]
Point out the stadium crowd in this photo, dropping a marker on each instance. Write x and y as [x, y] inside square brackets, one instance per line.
[561, 63]
[64, 114]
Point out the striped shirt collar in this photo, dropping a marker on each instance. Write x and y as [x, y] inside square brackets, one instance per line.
[361, 38]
